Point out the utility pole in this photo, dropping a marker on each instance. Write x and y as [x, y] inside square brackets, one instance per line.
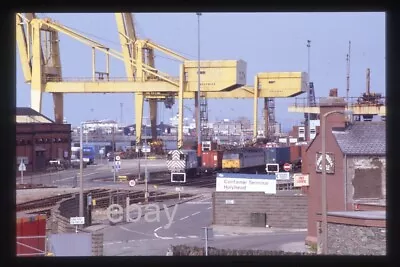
[307, 115]
[113, 152]
[348, 74]
[81, 172]
[198, 89]
[146, 194]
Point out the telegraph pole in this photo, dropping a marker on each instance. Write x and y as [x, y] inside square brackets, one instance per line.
[81, 172]
[307, 115]
[348, 74]
[198, 88]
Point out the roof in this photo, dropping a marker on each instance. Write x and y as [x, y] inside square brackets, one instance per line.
[29, 115]
[363, 138]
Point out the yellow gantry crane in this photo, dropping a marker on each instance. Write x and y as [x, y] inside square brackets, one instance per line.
[41, 66]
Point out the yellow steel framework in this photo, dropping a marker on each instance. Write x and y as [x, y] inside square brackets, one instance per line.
[41, 66]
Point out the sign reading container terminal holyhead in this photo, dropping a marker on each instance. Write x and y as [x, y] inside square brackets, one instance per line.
[239, 182]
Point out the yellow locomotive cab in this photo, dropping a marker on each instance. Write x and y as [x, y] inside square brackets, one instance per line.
[230, 163]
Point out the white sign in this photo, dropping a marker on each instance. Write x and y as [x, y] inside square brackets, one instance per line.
[117, 158]
[282, 176]
[22, 167]
[22, 159]
[230, 201]
[132, 183]
[101, 151]
[77, 220]
[283, 140]
[301, 180]
[267, 186]
[146, 149]
[292, 140]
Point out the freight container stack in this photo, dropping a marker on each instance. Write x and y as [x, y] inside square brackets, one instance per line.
[31, 235]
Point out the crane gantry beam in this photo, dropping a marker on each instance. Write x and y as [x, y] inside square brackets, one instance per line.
[221, 78]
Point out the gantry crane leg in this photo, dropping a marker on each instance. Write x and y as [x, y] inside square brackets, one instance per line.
[139, 99]
[153, 118]
[255, 108]
[58, 100]
[180, 106]
[266, 118]
[37, 86]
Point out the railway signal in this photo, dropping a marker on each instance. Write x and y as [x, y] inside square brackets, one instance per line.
[287, 167]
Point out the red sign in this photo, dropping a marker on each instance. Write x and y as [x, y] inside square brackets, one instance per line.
[287, 167]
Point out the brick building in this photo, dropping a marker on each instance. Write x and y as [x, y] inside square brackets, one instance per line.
[39, 139]
[356, 165]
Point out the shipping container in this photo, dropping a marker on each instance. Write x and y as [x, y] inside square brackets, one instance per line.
[279, 155]
[31, 232]
[211, 160]
[295, 152]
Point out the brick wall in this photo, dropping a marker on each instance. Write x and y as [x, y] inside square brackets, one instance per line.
[346, 239]
[283, 210]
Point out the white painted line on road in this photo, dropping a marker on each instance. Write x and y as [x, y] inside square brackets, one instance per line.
[118, 242]
[219, 235]
[131, 241]
[157, 229]
[209, 208]
[161, 237]
[193, 236]
[195, 213]
[197, 202]
[132, 231]
[184, 218]
[126, 247]
[181, 237]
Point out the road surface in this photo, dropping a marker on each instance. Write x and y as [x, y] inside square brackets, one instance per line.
[92, 173]
[182, 224]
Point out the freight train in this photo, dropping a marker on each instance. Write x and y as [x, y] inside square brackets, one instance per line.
[183, 161]
[244, 159]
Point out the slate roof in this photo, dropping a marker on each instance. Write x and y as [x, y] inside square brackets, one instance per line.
[25, 111]
[363, 138]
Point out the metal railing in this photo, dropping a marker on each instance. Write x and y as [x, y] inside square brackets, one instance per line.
[352, 101]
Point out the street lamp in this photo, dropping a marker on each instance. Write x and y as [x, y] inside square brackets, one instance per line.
[198, 87]
[324, 187]
[81, 171]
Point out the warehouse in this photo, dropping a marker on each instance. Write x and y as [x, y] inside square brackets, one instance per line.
[39, 139]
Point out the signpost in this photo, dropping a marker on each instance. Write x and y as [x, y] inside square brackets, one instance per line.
[77, 221]
[287, 167]
[22, 168]
[208, 236]
[282, 176]
[117, 165]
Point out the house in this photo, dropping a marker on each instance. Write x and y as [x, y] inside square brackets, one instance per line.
[356, 165]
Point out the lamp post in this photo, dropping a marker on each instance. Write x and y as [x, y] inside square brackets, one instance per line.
[81, 172]
[324, 182]
[198, 87]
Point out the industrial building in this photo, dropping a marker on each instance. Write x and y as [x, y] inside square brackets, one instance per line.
[356, 166]
[39, 139]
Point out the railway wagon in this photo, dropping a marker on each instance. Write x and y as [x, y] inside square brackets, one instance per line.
[278, 155]
[244, 159]
[183, 161]
[211, 161]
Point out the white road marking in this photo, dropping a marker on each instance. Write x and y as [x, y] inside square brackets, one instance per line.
[193, 236]
[126, 247]
[118, 242]
[131, 241]
[197, 202]
[161, 237]
[219, 235]
[157, 229]
[132, 231]
[209, 208]
[181, 237]
[68, 178]
[184, 218]
[195, 213]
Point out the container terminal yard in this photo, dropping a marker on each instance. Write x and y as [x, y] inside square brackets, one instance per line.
[150, 188]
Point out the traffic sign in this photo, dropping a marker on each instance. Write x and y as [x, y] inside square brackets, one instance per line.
[77, 220]
[287, 167]
[146, 149]
[132, 183]
[22, 167]
[117, 158]
[282, 176]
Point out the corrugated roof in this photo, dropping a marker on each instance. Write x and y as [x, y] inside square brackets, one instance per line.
[363, 138]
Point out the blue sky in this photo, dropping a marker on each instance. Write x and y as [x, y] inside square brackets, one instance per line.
[268, 42]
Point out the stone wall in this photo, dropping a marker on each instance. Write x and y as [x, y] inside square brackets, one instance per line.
[283, 210]
[346, 239]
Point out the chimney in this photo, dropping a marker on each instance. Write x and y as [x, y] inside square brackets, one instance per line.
[328, 104]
